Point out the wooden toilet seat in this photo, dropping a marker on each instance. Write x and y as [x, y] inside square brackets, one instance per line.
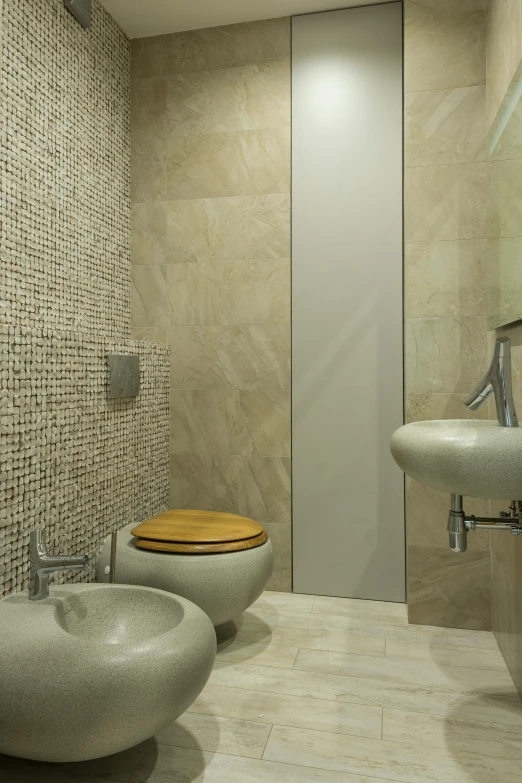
[191, 532]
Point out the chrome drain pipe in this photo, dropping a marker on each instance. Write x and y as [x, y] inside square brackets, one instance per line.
[459, 524]
[458, 532]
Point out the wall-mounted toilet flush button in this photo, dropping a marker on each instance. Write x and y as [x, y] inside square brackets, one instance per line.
[124, 375]
[107, 570]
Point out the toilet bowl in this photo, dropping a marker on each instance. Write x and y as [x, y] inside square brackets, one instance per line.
[221, 562]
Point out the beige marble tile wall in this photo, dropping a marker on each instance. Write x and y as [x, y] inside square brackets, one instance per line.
[504, 49]
[504, 35]
[507, 550]
[210, 233]
[445, 282]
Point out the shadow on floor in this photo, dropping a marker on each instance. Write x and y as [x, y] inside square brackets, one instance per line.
[144, 762]
[483, 735]
[236, 637]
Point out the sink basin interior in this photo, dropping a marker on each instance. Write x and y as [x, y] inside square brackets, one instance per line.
[118, 615]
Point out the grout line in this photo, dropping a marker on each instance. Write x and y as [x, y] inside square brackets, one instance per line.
[402, 743]
[213, 263]
[406, 661]
[185, 72]
[293, 725]
[463, 752]
[400, 707]
[288, 725]
[350, 618]
[215, 198]
[357, 631]
[503, 160]
[289, 764]
[277, 645]
[222, 454]
[315, 698]
[267, 740]
[440, 89]
[389, 742]
[424, 662]
[446, 165]
[141, 758]
[419, 242]
[382, 722]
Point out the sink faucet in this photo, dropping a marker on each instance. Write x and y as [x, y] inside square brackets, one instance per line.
[43, 564]
[497, 380]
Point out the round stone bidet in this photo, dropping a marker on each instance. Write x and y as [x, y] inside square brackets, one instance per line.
[221, 562]
[96, 669]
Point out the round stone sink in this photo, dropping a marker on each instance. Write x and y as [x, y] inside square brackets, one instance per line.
[96, 669]
[461, 456]
[118, 614]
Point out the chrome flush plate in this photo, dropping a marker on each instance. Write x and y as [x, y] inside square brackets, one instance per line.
[124, 375]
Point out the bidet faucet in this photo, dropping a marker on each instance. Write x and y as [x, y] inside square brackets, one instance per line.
[498, 381]
[43, 564]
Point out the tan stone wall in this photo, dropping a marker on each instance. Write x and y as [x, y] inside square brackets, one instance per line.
[504, 32]
[70, 459]
[445, 283]
[504, 49]
[210, 254]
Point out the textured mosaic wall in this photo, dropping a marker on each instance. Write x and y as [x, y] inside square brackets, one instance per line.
[70, 459]
[73, 460]
[65, 157]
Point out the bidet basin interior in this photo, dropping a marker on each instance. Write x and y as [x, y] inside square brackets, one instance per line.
[118, 615]
[475, 458]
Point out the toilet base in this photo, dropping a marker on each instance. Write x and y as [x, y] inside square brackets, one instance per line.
[223, 585]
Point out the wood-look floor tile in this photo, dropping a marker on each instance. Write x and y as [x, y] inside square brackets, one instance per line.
[262, 654]
[386, 760]
[291, 601]
[396, 670]
[217, 734]
[498, 706]
[165, 764]
[299, 711]
[472, 657]
[454, 734]
[382, 611]
[319, 622]
[342, 641]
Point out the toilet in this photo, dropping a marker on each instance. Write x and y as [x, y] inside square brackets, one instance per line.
[221, 562]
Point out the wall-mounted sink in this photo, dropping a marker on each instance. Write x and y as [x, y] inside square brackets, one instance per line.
[462, 456]
[95, 669]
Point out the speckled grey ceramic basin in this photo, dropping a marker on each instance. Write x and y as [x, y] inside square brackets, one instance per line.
[461, 456]
[95, 669]
[118, 616]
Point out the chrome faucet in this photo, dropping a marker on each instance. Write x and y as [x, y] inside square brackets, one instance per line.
[498, 381]
[43, 564]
